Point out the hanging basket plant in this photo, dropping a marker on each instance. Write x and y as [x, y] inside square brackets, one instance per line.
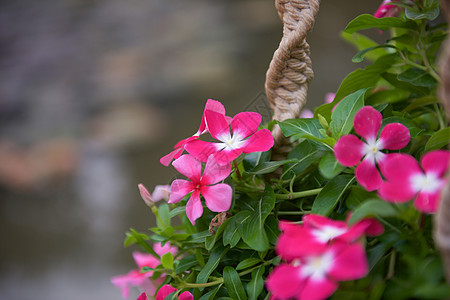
[337, 205]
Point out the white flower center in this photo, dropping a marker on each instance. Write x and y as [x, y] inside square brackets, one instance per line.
[317, 267]
[428, 183]
[230, 143]
[372, 150]
[327, 233]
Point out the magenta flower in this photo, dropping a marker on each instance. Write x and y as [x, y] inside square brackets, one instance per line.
[166, 290]
[211, 105]
[316, 233]
[406, 180]
[141, 280]
[217, 197]
[387, 10]
[142, 296]
[315, 277]
[243, 138]
[349, 149]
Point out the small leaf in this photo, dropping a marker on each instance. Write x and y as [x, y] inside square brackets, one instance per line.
[231, 235]
[185, 264]
[330, 194]
[167, 261]
[304, 155]
[359, 57]
[211, 294]
[357, 196]
[163, 211]
[419, 102]
[362, 42]
[392, 79]
[373, 208]
[256, 285]
[387, 96]
[270, 166]
[329, 166]
[417, 77]
[413, 14]
[216, 255]
[438, 140]
[233, 283]
[271, 226]
[251, 160]
[301, 128]
[176, 211]
[344, 113]
[247, 263]
[367, 21]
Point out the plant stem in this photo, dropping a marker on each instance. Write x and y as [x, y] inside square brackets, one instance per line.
[238, 174]
[391, 269]
[297, 195]
[304, 212]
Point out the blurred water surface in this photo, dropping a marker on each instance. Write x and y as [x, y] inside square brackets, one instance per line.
[93, 93]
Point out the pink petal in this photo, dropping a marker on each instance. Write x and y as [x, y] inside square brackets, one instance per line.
[145, 260]
[317, 289]
[167, 159]
[368, 176]
[145, 195]
[225, 156]
[245, 123]
[321, 221]
[288, 243]
[367, 122]
[179, 189]
[349, 150]
[161, 192]
[212, 105]
[350, 262]
[132, 278]
[370, 227]
[396, 192]
[394, 136]
[142, 296]
[436, 161]
[201, 150]
[261, 141]
[161, 250]
[214, 172]
[217, 197]
[306, 114]
[194, 208]
[217, 125]
[399, 167]
[284, 282]
[427, 202]
[329, 97]
[189, 166]
[165, 291]
[186, 296]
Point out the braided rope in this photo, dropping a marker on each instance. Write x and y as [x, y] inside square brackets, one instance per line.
[290, 70]
[442, 221]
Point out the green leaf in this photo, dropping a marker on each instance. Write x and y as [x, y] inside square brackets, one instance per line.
[392, 79]
[167, 261]
[438, 140]
[185, 264]
[344, 113]
[270, 166]
[199, 237]
[359, 57]
[301, 128]
[251, 160]
[176, 211]
[211, 294]
[231, 235]
[422, 101]
[216, 255]
[367, 21]
[357, 196]
[171, 296]
[387, 96]
[329, 166]
[256, 285]
[163, 211]
[304, 154]
[271, 226]
[430, 14]
[330, 194]
[251, 228]
[233, 283]
[417, 77]
[141, 239]
[247, 263]
[211, 240]
[373, 208]
[362, 42]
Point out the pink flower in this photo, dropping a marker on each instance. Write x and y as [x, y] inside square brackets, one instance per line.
[217, 197]
[349, 149]
[166, 290]
[243, 138]
[161, 192]
[317, 232]
[387, 10]
[406, 180]
[138, 279]
[211, 105]
[142, 296]
[306, 114]
[315, 277]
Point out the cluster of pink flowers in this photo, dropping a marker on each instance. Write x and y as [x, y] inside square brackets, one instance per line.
[404, 178]
[318, 254]
[236, 135]
[142, 280]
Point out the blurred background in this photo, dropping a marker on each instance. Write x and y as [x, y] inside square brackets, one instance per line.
[94, 92]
